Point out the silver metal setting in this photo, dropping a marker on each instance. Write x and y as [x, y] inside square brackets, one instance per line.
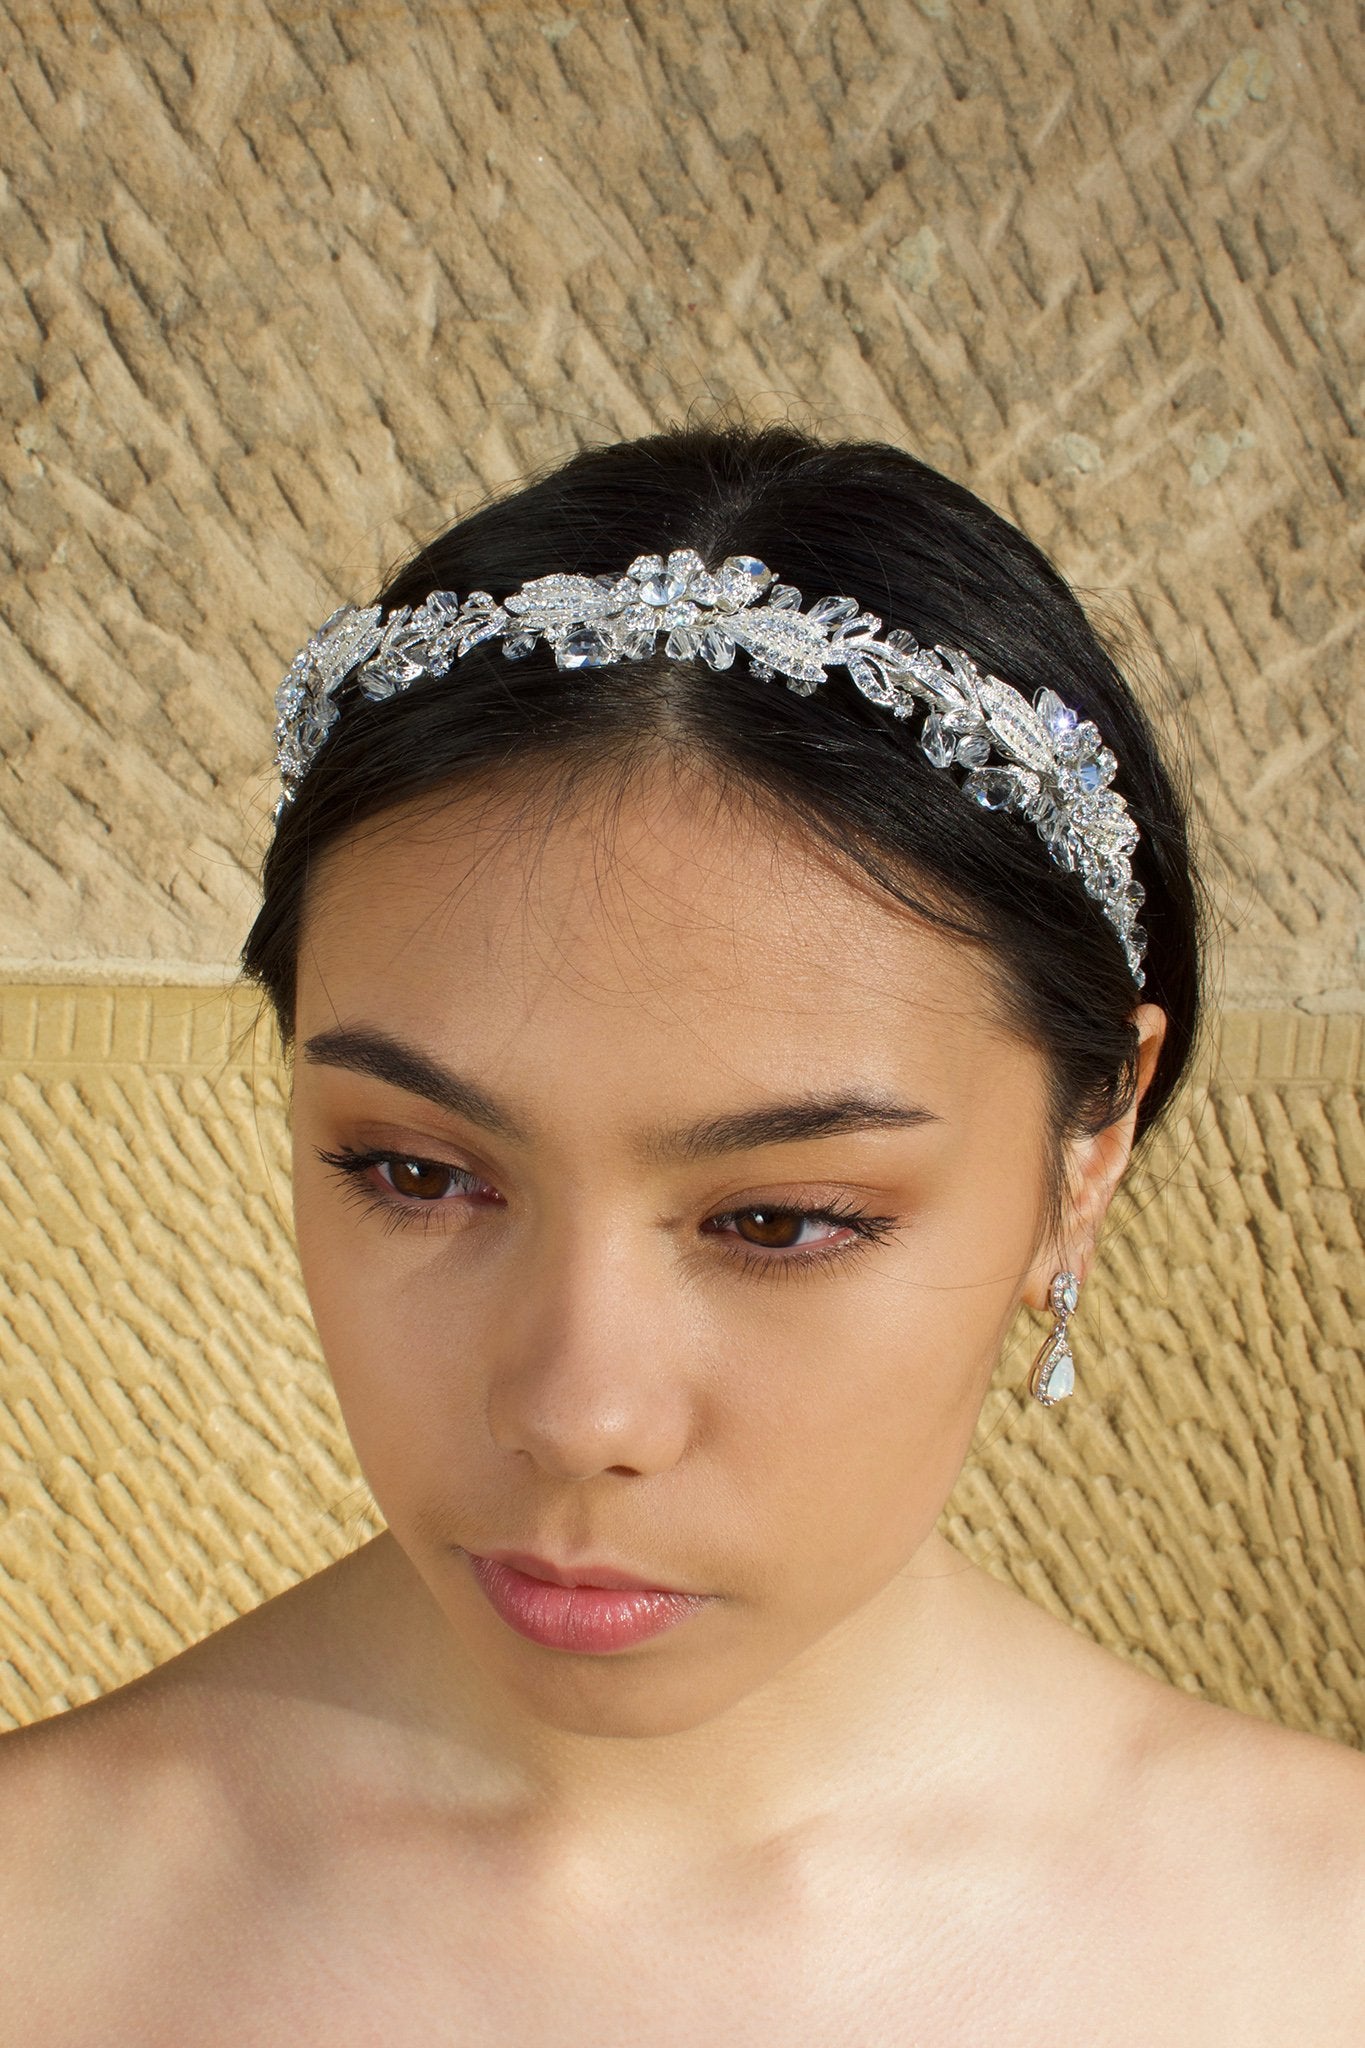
[1038, 759]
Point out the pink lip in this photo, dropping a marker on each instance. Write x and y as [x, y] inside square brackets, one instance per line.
[585, 1617]
[579, 1575]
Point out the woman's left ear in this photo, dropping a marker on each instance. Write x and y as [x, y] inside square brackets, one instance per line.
[1094, 1167]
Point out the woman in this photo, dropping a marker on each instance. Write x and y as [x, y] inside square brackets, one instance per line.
[715, 1012]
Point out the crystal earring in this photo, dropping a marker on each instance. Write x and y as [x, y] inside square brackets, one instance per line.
[1054, 1370]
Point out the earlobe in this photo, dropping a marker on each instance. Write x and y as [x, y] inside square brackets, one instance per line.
[1096, 1165]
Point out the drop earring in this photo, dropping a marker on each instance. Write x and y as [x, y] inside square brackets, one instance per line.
[1054, 1370]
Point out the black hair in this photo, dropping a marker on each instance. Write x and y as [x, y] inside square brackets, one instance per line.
[851, 518]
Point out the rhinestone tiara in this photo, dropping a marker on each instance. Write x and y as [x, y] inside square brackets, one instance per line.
[1040, 759]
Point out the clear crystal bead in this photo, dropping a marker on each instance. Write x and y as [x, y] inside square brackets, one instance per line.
[1059, 718]
[316, 723]
[902, 642]
[516, 645]
[828, 611]
[993, 788]
[378, 683]
[682, 643]
[938, 743]
[973, 750]
[784, 597]
[635, 639]
[717, 649]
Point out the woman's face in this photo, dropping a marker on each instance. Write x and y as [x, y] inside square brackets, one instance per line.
[699, 1257]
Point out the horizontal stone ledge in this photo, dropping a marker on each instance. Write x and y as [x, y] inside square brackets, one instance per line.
[206, 1028]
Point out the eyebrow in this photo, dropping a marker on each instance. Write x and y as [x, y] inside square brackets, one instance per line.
[361, 1049]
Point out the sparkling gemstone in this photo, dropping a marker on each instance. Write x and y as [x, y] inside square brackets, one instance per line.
[785, 597]
[1134, 896]
[516, 645]
[1083, 743]
[665, 588]
[582, 648]
[717, 649]
[1059, 718]
[993, 788]
[902, 641]
[682, 642]
[1064, 1294]
[646, 565]
[750, 568]
[973, 750]
[938, 743]
[1090, 777]
[1058, 1378]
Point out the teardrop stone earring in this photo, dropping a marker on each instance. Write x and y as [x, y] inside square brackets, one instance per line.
[1054, 1369]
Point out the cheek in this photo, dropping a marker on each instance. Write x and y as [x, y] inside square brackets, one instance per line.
[855, 1458]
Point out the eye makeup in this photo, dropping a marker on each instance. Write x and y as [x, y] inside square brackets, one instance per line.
[407, 1190]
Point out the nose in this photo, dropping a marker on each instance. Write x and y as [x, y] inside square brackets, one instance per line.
[588, 1369]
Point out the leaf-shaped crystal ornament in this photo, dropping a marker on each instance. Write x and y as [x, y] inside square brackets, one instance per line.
[1041, 761]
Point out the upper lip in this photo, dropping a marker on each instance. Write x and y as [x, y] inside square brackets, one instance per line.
[604, 1575]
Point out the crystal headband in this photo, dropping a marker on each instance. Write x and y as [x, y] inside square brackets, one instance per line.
[1038, 759]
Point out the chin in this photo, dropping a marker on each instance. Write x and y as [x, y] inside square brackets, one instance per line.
[601, 1697]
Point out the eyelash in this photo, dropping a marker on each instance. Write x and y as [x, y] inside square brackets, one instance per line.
[400, 1213]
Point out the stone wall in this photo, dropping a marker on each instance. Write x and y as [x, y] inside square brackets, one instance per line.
[287, 288]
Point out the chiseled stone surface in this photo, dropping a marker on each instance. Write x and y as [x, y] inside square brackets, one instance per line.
[170, 1453]
[284, 290]
[289, 287]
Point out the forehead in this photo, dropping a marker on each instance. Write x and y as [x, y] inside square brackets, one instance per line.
[514, 926]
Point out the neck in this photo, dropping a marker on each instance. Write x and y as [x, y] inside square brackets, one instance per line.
[891, 1706]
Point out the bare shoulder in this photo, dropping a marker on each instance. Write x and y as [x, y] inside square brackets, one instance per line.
[144, 1831]
[1269, 1826]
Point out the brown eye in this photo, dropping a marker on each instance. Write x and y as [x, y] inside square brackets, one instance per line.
[775, 1229]
[420, 1177]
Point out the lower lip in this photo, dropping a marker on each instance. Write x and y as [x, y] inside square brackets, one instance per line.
[591, 1619]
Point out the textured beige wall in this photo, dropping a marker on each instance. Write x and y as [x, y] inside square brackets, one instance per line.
[285, 289]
